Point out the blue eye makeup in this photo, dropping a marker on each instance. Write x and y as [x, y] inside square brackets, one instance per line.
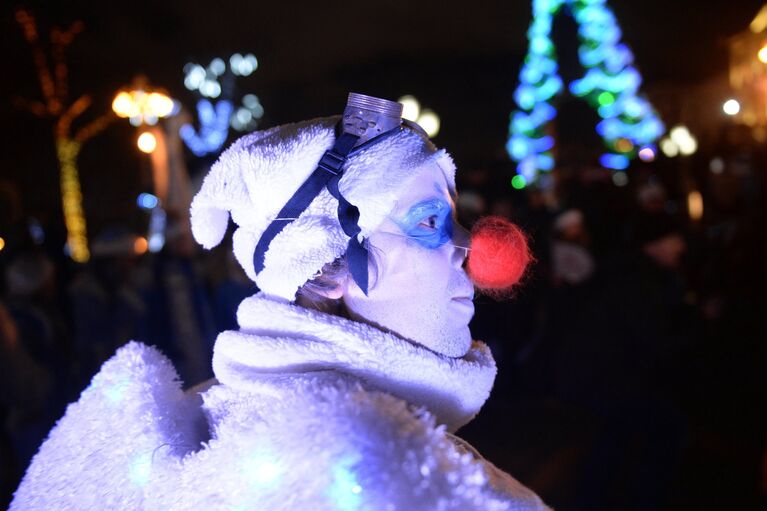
[430, 223]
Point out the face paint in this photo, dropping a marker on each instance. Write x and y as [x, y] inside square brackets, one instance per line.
[429, 223]
[421, 291]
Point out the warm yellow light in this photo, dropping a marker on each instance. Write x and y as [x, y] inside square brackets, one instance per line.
[669, 148]
[146, 142]
[141, 106]
[695, 205]
[140, 246]
[411, 108]
[123, 105]
[759, 23]
[430, 122]
[158, 105]
[731, 106]
[71, 199]
[2, 244]
[762, 55]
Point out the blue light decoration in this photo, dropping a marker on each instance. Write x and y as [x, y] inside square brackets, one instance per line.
[610, 84]
[346, 492]
[214, 127]
[262, 469]
[217, 81]
[140, 469]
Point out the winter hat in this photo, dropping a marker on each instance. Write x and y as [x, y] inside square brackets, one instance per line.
[260, 172]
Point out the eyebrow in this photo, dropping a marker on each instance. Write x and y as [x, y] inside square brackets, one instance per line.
[450, 191]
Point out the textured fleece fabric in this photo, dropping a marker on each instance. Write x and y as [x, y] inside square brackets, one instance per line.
[309, 414]
[260, 172]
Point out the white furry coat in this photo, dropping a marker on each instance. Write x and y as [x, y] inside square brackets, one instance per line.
[310, 411]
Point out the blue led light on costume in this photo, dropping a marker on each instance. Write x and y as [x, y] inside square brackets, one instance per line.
[610, 84]
[114, 391]
[429, 223]
[345, 491]
[140, 469]
[261, 469]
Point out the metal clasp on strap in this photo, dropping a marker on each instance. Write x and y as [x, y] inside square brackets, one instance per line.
[331, 162]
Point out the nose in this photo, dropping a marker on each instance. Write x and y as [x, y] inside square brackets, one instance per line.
[499, 254]
[461, 243]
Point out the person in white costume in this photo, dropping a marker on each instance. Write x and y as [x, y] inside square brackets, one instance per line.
[351, 370]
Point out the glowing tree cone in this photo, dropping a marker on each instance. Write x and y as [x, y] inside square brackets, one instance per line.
[610, 84]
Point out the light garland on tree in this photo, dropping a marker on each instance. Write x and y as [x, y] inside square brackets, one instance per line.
[217, 80]
[610, 85]
[55, 91]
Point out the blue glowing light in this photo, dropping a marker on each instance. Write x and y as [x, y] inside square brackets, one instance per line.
[147, 201]
[345, 491]
[156, 235]
[262, 469]
[214, 127]
[140, 469]
[115, 391]
[610, 85]
[614, 161]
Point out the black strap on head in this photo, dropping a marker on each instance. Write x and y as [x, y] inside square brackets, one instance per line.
[327, 174]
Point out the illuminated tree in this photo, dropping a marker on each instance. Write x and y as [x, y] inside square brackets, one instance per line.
[610, 85]
[54, 85]
[217, 82]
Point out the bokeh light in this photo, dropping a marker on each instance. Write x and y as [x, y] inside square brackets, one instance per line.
[411, 108]
[731, 107]
[762, 54]
[647, 154]
[695, 205]
[430, 122]
[146, 142]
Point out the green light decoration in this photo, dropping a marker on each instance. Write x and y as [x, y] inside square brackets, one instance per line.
[518, 182]
[610, 85]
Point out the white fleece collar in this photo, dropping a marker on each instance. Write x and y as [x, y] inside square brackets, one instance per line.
[280, 338]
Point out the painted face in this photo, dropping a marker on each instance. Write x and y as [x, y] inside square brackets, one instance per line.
[419, 289]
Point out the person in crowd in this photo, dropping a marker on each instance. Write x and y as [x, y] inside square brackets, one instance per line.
[351, 370]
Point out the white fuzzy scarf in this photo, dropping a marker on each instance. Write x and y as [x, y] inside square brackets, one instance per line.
[279, 338]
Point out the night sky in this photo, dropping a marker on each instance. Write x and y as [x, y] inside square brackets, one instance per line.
[459, 58]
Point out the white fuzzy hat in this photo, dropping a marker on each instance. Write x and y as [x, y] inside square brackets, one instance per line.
[260, 172]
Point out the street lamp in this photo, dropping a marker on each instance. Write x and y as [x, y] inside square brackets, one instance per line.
[142, 105]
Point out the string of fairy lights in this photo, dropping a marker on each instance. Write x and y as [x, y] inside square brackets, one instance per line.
[629, 126]
[54, 85]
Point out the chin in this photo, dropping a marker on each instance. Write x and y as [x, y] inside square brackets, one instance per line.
[455, 343]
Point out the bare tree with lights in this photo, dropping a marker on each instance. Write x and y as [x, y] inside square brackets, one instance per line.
[52, 72]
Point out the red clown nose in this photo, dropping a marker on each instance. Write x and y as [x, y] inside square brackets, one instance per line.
[499, 254]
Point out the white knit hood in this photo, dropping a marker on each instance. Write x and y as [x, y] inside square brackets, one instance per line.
[284, 339]
[261, 171]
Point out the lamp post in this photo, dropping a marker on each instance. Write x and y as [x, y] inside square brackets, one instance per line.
[145, 107]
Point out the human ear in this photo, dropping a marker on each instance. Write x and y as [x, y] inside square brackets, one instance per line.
[333, 292]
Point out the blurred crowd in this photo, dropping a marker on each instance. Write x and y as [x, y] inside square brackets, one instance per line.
[631, 360]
